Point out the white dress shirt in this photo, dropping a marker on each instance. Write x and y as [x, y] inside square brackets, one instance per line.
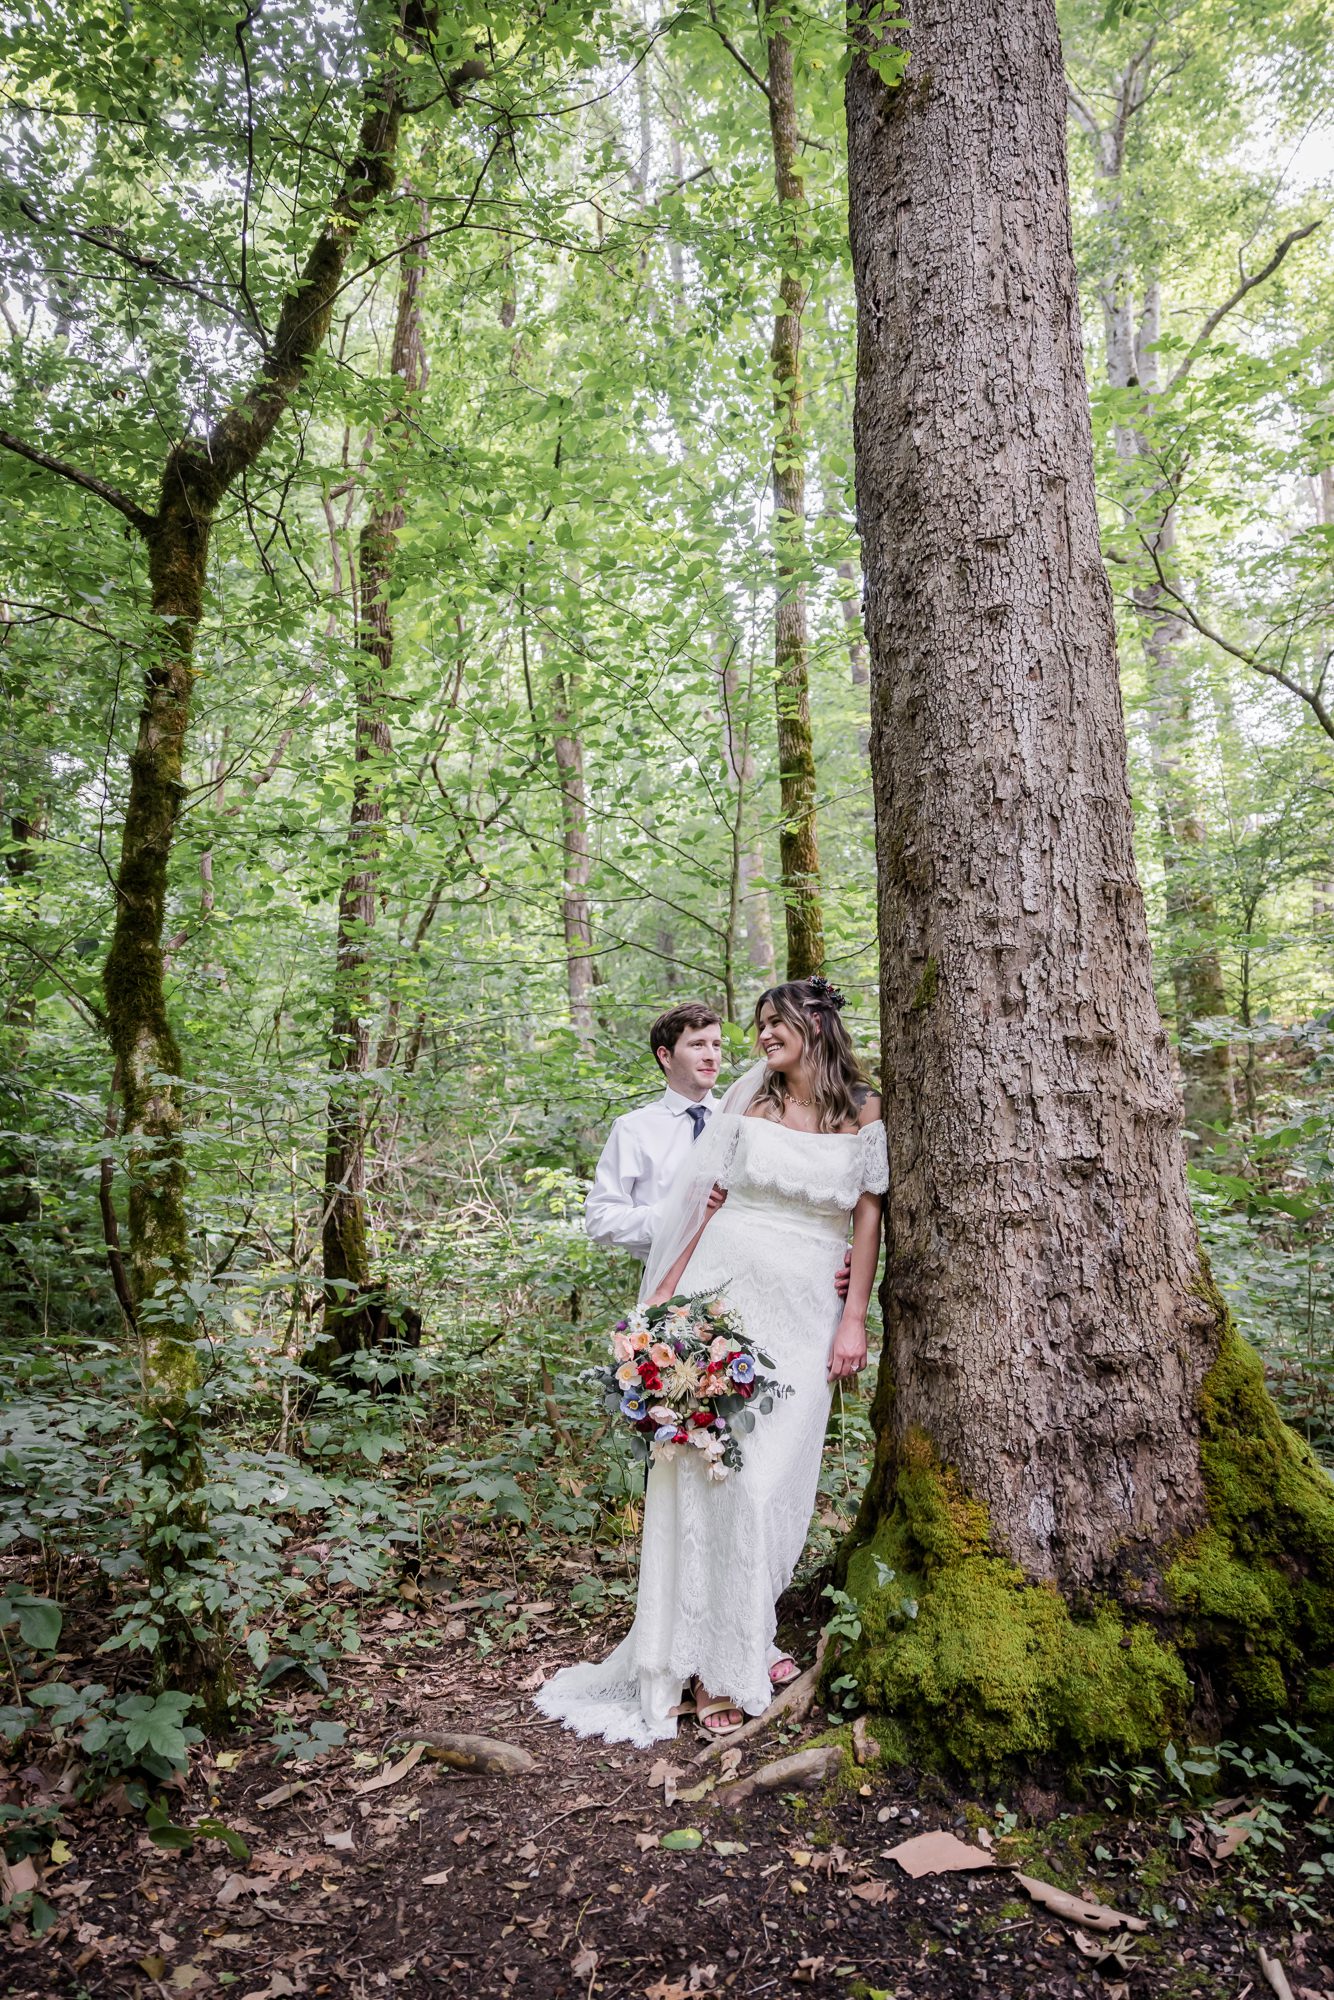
[644, 1153]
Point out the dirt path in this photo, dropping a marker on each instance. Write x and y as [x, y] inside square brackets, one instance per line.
[554, 1884]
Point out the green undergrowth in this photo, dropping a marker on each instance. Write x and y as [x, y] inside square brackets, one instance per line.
[986, 1671]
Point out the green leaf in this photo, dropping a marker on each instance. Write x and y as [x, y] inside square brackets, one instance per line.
[682, 1839]
[39, 1622]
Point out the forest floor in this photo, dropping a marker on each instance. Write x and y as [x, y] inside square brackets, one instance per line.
[556, 1883]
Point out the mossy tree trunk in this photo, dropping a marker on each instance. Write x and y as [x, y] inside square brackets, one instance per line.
[354, 1314]
[798, 847]
[1054, 1353]
[198, 473]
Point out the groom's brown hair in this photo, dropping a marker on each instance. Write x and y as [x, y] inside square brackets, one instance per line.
[668, 1029]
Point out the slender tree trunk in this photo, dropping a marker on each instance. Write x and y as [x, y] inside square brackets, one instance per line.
[577, 862]
[18, 1196]
[750, 898]
[353, 1310]
[1061, 1410]
[197, 475]
[850, 601]
[1197, 971]
[799, 853]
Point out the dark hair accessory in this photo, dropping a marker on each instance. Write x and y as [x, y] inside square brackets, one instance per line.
[823, 991]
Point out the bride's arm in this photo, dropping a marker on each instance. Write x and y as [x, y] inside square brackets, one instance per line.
[847, 1356]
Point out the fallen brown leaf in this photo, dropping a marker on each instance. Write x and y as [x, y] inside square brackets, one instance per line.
[392, 1772]
[873, 1892]
[939, 1853]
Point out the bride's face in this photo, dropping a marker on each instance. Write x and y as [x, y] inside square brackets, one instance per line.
[780, 1044]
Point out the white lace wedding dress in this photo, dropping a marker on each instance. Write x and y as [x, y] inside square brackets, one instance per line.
[716, 1556]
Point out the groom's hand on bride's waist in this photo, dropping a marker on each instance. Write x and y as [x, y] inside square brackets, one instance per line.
[843, 1275]
[717, 1196]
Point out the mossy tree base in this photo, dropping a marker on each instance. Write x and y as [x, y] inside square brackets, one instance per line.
[995, 1672]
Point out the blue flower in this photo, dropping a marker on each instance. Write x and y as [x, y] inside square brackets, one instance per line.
[665, 1434]
[743, 1368]
[633, 1406]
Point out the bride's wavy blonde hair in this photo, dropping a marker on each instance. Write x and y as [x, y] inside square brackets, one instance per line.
[838, 1081]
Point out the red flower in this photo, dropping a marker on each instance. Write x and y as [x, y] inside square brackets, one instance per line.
[700, 1418]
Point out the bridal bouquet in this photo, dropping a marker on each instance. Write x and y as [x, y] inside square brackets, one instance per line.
[682, 1375]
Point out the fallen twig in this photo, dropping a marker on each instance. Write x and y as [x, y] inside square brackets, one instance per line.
[589, 1805]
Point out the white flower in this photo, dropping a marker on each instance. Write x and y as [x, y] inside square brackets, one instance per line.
[700, 1440]
[663, 1454]
[717, 1470]
[637, 1322]
[661, 1414]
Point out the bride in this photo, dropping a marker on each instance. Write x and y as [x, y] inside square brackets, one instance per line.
[759, 1213]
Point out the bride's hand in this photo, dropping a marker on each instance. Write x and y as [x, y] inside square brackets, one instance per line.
[847, 1357]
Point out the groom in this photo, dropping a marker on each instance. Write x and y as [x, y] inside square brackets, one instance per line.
[646, 1149]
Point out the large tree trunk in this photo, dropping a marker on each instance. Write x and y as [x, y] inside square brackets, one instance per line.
[354, 1314]
[798, 849]
[1061, 1409]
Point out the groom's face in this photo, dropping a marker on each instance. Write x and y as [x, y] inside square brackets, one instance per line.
[693, 1065]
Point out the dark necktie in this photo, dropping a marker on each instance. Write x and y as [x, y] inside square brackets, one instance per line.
[697, 1115]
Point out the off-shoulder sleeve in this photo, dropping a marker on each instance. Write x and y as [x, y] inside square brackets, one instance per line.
[875, 1159]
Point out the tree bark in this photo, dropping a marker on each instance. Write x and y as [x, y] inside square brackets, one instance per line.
[354, 1312]
[1131, 361]
[1054, 1351]
[576, 856]
[798, 847]
[748, 899]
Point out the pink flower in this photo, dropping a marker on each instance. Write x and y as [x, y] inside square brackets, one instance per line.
[719, 1349]
[620, 1347]
[628, 1375]
[661, 1354]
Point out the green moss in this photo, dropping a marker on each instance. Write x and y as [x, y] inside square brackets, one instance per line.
[926, 986]
[995, 1671]
[1255, 1586]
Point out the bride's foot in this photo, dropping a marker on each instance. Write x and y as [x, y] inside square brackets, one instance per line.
[783, 1670]
[713, 1716]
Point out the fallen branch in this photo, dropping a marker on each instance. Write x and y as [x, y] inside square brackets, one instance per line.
[1097, 1916]
[1275, 1975]
[801, 1772]
[482, 1756]
[794, 1700]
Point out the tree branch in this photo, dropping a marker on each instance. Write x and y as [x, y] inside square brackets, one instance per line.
[133, 512]
[1220, 313]
[1311, 696]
